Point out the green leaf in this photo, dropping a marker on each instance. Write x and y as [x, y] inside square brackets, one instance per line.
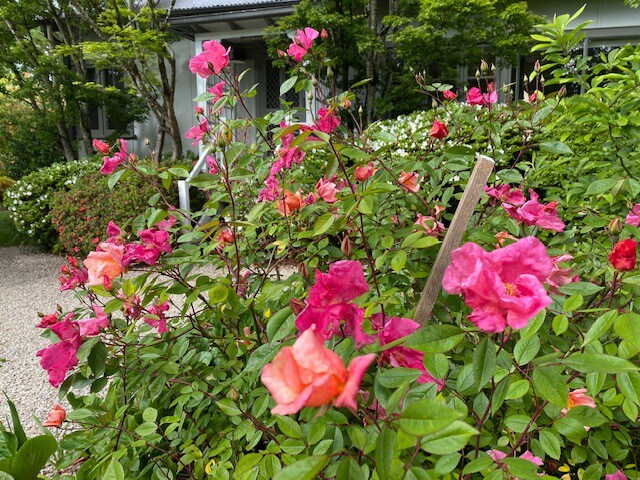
[517, 389]
[427, 416]
[97, 360]
[484, 362]
[305, 469]
[289, 426]
[557, 148]
[32, 457]
[288, 85]
[115, 178]
[356, 154]
[150, 414]
[18, 431]
[550, 443]
[479, 464]
[395, 377]
[521, 468]
[601, 186]
[598, 362]
[366, 205]
[627, 326]
[323, 224]
[450, 440]
[584, 288]
[599, 327]
[348, 469]
[385, 447]
[260, 357]
[435, 338]
[573, 302]
[550, 385]
[147, 428]
[399, 260]
[526, 349]
[247, 462]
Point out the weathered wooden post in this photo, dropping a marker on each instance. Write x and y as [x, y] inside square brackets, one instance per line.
[466, 207]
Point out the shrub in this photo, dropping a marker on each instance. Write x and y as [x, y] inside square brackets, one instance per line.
[29, 200]
[5, 183]
[81, 214]
[519, 369]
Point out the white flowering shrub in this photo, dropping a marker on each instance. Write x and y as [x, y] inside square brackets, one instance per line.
[28, 201]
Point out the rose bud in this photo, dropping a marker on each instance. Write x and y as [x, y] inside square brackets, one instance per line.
[615, 226]
[55, 417]
[199, 110]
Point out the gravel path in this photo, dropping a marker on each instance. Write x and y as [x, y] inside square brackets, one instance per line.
[28, 285]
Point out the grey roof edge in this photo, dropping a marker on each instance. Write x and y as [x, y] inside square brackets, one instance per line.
[212, 14]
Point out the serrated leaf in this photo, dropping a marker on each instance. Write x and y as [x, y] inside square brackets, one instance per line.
[550, 385]
[426, 416]
[484, 362]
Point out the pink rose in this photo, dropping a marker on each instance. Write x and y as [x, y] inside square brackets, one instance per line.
[503, 287]
[623, 255]
[505, 194]
[308, 374]
[449, 95]
[330, 303]
[327, 190]
[633, 217]
[476, 97]
[399, 356]
[59, 358]
[532, 212]
[212, 60]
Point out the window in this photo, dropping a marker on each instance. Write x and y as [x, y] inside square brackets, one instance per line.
[103, 124]
[274, 77]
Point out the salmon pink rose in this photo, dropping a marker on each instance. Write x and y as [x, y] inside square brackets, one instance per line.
[449, 95]
[290, 203]
[409, 181]
[101, 146]
[55, 417]
[430, 224]
[308, 374]
[504, 288]
[104, 263]
[623, 255]
[364, 172]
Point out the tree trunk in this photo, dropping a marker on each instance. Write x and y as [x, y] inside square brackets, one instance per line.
[70, 153]
[370, 62]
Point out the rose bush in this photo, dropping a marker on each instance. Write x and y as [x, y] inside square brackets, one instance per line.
[269, 334]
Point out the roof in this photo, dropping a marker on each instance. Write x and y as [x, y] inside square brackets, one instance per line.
[208, 5]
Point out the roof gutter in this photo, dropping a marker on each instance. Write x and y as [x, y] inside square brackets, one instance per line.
[185, 17]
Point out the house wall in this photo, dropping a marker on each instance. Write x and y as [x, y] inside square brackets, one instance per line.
[185, 93]
[605, 14]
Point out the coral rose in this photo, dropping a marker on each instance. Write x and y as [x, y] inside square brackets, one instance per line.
[623, 255]
[106, 261]
[55, 417]
[364, 172]
[290, 203]
[309, 375]
[409, 181]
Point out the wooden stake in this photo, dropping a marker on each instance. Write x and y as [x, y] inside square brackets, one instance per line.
[468, 202]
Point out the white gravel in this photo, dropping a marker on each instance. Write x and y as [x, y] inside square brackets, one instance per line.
[28, 285]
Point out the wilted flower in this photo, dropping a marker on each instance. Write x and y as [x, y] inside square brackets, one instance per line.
[409, 181]
[532, 212]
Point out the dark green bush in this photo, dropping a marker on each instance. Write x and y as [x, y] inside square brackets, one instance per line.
[81, 214]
